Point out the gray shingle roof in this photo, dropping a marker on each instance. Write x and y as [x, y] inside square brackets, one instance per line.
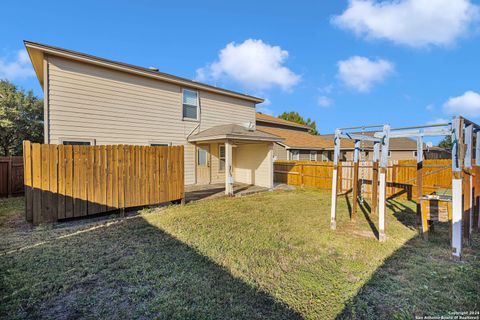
[233, 131]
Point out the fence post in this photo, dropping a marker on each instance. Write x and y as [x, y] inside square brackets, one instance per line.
[301, 174]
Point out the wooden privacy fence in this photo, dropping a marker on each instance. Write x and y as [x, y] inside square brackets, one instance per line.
[401, 176]
[63, 181]
[11, 176]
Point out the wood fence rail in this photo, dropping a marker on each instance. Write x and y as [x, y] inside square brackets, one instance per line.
[401, 176]
[11, 176]
[64, 181]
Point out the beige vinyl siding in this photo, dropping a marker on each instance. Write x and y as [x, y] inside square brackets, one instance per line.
[217, 176]
[253, 164]
[113, 107]
[279, 152]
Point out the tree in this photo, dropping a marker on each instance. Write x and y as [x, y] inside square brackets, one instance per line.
[21, 118]
[297, 118]
[446, 143]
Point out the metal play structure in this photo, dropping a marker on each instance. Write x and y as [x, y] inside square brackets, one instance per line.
[462, 132]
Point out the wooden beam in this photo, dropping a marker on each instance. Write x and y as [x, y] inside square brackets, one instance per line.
[336, 155]
[374, 206]
[457, 179]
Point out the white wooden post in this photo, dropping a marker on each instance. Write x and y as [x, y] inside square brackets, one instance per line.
[336, 154]
[382, 176]
[467, 163]
[457, 201]
[228, 169]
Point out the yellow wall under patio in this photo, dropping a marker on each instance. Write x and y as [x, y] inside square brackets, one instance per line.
[253, 164]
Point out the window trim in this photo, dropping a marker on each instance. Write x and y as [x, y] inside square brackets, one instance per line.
[62, 140]
[198, 106]
[313, 152]
[220, 145]
[159, 144]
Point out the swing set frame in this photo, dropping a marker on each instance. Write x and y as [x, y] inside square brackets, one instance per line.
[462, 132]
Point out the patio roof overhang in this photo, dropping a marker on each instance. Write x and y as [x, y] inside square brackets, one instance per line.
[233, 132]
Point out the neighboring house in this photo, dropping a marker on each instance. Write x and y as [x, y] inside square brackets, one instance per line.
[399, 149]
[298, 144]
[95, 101]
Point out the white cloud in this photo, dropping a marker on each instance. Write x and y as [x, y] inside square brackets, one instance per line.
[265, 110]
[254, 64]
[326, 89]
[438, 121]
[18, 68]
[324, 101]
[266, 102]
[414, 23]
[468, 104]
[430, 107]
[361, 73]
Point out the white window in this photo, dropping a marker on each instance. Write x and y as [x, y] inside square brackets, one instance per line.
[77, 142]
[389, 153]
[190, 104]
[294, 155]
[159, 144]
[415, 154]
[202, 157]
[313, 155]
[221, 158]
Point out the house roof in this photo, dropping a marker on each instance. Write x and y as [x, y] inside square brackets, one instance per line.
[233, 131]
[302, 140]
[37, 51]
[270, 119]
[395, 144]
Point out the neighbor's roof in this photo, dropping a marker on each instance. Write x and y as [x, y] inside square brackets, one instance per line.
[398, 144]
[36, 51]
[233, 131]
[302, 140]
[270, 119]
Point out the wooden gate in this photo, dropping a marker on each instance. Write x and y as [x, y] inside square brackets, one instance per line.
[64, 181]
[11, 176]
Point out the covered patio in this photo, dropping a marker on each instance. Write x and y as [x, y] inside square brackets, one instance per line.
[231, 154]
[198, 192]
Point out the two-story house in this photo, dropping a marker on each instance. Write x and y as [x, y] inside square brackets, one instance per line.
[94, 101]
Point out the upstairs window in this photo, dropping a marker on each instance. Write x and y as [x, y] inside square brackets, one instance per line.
[190, 104]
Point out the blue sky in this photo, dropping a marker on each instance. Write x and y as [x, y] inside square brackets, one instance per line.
[340, 63]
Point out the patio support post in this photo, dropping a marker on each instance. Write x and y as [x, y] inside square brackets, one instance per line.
[457, 179]
[271, 170]
[382, 187]
[228, 169]
[336, 156]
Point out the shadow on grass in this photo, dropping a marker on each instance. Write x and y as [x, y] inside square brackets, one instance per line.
[405, 214]
[419, 279]
[127, 270]
[366, 210]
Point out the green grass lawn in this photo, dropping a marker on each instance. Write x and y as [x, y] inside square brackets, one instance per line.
[270, 255]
